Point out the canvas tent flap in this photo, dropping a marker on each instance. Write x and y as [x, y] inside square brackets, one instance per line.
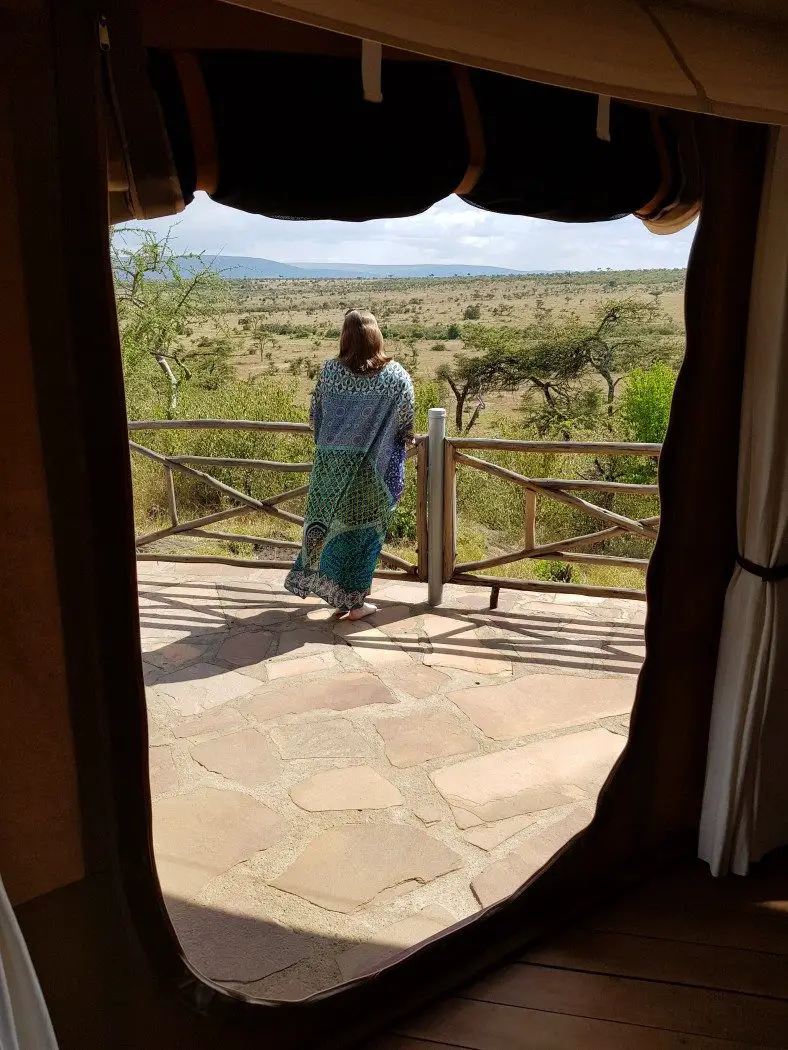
[726, 57]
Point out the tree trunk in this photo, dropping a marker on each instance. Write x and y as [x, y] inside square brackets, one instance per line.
[172, 406]
[459, 411]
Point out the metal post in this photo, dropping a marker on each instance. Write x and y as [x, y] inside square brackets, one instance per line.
[436, 437]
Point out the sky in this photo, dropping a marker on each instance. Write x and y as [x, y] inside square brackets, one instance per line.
[450, 232]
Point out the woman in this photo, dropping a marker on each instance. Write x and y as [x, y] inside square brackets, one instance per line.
[362, 417]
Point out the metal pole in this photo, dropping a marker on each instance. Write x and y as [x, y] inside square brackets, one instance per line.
[435, 441]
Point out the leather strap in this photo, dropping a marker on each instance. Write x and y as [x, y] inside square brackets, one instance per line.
[768, 573]
[198, 108]
[474, 130]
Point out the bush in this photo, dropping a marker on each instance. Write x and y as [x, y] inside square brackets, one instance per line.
[554, 571]
[472, 312]
[644, 405]
[453, 331]
[402, 525]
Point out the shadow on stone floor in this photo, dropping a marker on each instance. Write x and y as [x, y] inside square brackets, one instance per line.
[246, 951]
[328, 794]
[276, 625]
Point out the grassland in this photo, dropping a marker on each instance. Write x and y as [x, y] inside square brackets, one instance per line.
[275, 334]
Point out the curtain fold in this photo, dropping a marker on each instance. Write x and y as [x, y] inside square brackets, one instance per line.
[24, 1018]
[745, 803]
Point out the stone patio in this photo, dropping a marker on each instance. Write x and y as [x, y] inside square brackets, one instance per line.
[327, 795]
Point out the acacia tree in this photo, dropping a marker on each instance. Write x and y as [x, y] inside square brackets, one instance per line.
[165, 299]
[498, 367]
[576, 367]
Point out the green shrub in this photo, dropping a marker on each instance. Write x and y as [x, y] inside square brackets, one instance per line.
[644, 403]
[554, 571]
[472, 312]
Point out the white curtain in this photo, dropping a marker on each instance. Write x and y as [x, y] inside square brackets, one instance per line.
[24, 1019]
[745, 804]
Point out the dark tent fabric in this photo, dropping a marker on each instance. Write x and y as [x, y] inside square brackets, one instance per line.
[295, 139]
[544, 158]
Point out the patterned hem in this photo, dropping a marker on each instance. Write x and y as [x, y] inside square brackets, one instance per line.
[302, 584]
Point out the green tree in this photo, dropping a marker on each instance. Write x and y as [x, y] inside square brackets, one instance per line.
[568, 364]
[164, 299]
[496, 365]
[644, 408]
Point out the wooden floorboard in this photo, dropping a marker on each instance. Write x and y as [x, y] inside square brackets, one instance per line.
[476, 1025]
[686, 962]
[658, 959]
[649, 1004]
[405, 1042]
[699, 913]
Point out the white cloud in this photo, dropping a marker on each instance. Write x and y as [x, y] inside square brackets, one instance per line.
[449, 232]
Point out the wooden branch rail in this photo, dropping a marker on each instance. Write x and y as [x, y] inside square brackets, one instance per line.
[560, 490]
[560, 496]
[219, 424]
[187, 465]
[595, 448]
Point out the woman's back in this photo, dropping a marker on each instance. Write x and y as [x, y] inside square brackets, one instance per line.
[362, 415]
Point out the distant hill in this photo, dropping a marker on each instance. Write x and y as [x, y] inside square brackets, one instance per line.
[240, 266]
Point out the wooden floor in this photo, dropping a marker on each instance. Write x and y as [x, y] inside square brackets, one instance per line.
[685, 961]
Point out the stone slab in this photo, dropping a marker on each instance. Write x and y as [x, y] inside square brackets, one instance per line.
[429, 813]
[474, 660]
[416, 738]
[299, 665]
[491, 835]
[163, 776]
[536, 703]
[304, 641]
[346, 867]
[219, 720]
[328, 738]
[351, 787]
[338, 693]
[371, 644]
[201, 834]
[246, 650]
[245, 756]
[420, 681]
[455, 643]
[464, 819]
[505, 876]
[176, 654]
[405, 933]
[407, 592]
[238, 942]
[397, 621]
[201, 686]
[531, 778]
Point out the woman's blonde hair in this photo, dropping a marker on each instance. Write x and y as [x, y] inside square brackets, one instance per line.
[361, 343]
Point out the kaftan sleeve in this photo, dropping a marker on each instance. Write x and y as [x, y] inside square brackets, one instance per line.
[406, 410]
[316, 404]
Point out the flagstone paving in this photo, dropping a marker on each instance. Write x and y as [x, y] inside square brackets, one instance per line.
[327, 795]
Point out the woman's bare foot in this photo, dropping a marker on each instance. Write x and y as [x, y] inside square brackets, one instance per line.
[367, 609]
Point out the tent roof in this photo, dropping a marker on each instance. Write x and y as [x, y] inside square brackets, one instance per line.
[726, 57]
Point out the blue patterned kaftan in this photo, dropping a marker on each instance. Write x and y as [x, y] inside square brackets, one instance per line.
[360, 424]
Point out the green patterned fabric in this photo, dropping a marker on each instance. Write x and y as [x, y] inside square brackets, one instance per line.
[360, 424]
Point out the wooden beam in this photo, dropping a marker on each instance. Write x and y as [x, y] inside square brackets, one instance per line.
[618, 448]
[545, 587]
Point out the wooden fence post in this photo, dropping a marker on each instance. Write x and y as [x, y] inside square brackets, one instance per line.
[436, 440]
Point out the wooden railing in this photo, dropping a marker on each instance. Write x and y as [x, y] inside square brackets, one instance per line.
[198, 467]
[563, 490]
[449, 454]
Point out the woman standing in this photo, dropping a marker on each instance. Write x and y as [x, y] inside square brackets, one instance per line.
[362, 417]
